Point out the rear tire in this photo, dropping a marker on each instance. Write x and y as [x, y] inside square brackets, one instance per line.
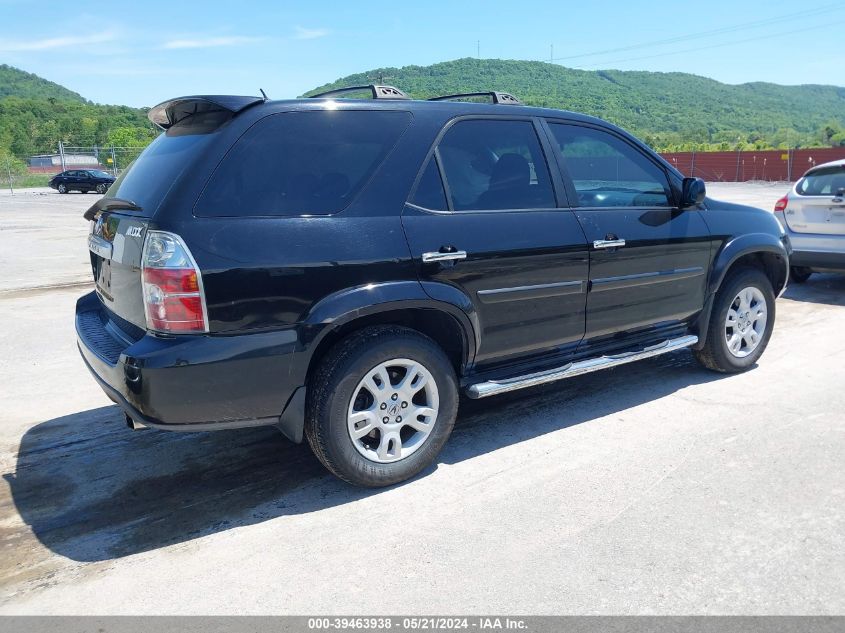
[799, 274]
[741, 322]
[348, 395]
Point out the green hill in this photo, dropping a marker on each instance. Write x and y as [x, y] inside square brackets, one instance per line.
[35, 114]
[665, 109]
[18, 83]
[670, 111]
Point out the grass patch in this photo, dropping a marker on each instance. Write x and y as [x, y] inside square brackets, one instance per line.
[25, 181]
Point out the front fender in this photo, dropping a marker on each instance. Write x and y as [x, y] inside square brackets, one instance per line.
[725, 258]
[745, 245]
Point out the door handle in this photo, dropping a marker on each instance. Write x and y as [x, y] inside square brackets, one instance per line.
[608, 243]
[438, 256]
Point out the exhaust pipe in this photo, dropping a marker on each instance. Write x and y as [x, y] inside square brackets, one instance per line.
[132, 424]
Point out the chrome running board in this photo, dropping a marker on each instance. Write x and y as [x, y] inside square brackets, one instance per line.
[495, 387]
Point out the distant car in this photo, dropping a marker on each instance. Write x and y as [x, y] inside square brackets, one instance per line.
[813, 214]
[83, 180]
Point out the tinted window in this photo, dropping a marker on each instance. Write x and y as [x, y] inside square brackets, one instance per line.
[150, 176]
[608, 172]
[429, 193]
[822, 182]
[495, 164]
[301, 163]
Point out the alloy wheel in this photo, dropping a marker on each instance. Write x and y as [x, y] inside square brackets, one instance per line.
[745, 323]
[393, 410]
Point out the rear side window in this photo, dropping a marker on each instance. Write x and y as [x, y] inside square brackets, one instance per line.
[822, 182]
[608, 172]
[495, 164]
[298, 163]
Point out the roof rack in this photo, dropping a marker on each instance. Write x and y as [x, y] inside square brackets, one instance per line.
[379, 92]
[503, 98]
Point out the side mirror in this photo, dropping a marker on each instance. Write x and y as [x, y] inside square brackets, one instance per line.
[693, 192]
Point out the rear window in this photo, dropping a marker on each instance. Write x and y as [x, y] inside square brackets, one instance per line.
[149, 177]
[822, 182]
[299, 163]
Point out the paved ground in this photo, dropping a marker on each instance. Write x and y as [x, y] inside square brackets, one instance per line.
[653, 488]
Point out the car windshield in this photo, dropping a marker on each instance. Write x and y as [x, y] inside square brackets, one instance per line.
[822, 182]
[99, 173]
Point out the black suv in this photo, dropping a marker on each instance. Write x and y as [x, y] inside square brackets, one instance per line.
[343, 269]
[83, 180]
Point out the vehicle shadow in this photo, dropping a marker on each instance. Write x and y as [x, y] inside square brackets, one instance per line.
[91, 490]
[819, 288]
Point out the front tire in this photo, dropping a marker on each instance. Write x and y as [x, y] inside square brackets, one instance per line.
[101, 189]
[61, 189]
[799, 274]
[741, 322]
[381, 406]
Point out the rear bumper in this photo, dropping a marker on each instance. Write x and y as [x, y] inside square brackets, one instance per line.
[818, 260]
[824, 252]
[188, 383]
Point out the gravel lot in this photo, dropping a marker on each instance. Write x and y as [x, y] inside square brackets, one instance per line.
[653, 488]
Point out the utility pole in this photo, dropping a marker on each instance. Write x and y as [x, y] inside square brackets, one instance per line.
[9, 169]
[62, 155]
[379, 77]
[552, 54]
[478, 49]
[738, 154]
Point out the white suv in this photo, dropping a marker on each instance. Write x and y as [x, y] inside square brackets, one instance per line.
[813, 214]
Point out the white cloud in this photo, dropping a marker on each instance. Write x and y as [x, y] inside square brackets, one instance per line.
[309, 34]
[53, 43]
[210, 42]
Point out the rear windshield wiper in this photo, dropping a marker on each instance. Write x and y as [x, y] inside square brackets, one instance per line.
[109, 204]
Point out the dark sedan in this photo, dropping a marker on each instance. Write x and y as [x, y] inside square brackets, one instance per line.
[83, 180]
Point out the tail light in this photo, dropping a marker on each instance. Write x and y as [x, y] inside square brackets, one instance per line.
[172, 285]
[780, 205]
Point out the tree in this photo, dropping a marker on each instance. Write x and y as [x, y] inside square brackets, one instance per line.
[128, 137]
[11, 168]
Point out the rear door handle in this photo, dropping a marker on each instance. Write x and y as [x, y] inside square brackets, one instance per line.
[608, 243]
[437, 256]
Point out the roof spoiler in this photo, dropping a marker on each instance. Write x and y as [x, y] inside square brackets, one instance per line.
[170, 112]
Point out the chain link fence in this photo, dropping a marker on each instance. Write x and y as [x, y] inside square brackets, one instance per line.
[36, 169]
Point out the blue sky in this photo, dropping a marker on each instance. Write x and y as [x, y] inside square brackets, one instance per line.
[143, 52]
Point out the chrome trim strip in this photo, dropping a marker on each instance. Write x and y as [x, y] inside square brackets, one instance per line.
[100, 246]
[608, 243]
[641, 279]
[495, 387]
[443, 257]
[538, 291]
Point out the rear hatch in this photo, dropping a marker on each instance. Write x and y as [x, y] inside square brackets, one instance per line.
[817, 204]
[120, 220]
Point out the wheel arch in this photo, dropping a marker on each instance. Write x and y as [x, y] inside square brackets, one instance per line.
[762, 251]
[444, 319]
